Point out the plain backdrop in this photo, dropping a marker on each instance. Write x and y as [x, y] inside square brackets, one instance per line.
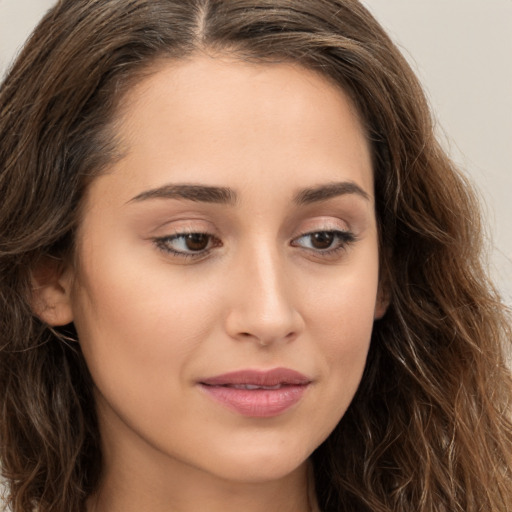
[462, 52]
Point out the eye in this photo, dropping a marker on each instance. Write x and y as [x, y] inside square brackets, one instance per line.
[187, 244]
[324, 242]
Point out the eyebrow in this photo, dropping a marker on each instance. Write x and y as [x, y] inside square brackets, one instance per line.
[225, 195]
[198, 193]
[328, 191]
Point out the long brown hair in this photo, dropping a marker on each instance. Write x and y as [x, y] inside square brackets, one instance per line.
[429, 429]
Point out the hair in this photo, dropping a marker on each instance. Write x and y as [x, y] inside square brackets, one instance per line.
[429, 428]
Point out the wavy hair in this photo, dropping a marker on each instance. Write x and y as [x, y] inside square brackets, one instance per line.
[429, 428]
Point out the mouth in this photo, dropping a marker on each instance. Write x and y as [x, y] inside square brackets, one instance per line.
[251, 387]
[271, 379]
[257, 393]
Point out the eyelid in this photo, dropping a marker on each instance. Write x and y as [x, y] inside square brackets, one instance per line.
[185, 224]
[327, 222]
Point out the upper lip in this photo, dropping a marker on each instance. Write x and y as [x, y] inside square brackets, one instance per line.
[272, 377]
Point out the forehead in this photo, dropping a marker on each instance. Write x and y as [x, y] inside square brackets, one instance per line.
[225, 121]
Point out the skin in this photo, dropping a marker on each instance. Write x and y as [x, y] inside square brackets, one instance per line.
[261, 295]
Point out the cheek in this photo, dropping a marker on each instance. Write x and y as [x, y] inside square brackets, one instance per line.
[345, 328]
[136, 326]
[342, 306]
[341, 328]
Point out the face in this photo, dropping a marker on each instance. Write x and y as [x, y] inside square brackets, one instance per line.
[227, 276]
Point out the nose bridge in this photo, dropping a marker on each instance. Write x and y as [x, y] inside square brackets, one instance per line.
[262, 307]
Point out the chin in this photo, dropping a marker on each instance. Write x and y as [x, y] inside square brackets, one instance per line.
[256, 464]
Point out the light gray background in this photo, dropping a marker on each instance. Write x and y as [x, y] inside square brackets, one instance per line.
[462, 51]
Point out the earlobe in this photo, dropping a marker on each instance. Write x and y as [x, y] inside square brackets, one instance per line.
[51, 292]
[382, 303]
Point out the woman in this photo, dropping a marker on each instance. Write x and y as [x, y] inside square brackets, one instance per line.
[238, 272]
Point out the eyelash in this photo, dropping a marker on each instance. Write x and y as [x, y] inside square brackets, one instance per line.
[344, 240]
[163, 243]
[341, 239]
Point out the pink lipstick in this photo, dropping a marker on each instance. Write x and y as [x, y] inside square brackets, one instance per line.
[257, 393]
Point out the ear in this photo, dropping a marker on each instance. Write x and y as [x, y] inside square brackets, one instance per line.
[383, 300]
[51, 291]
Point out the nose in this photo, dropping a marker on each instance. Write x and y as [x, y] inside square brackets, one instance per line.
[263, 300]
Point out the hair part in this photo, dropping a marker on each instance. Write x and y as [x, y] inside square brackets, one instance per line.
[429, 428]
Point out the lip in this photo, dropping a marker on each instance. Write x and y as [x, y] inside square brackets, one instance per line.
[234, 390]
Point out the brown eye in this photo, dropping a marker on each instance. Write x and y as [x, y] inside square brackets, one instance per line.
[197, 241]
[322, 240]
[188, 244]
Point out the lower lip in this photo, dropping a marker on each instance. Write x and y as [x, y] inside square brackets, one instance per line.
[257, 403]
